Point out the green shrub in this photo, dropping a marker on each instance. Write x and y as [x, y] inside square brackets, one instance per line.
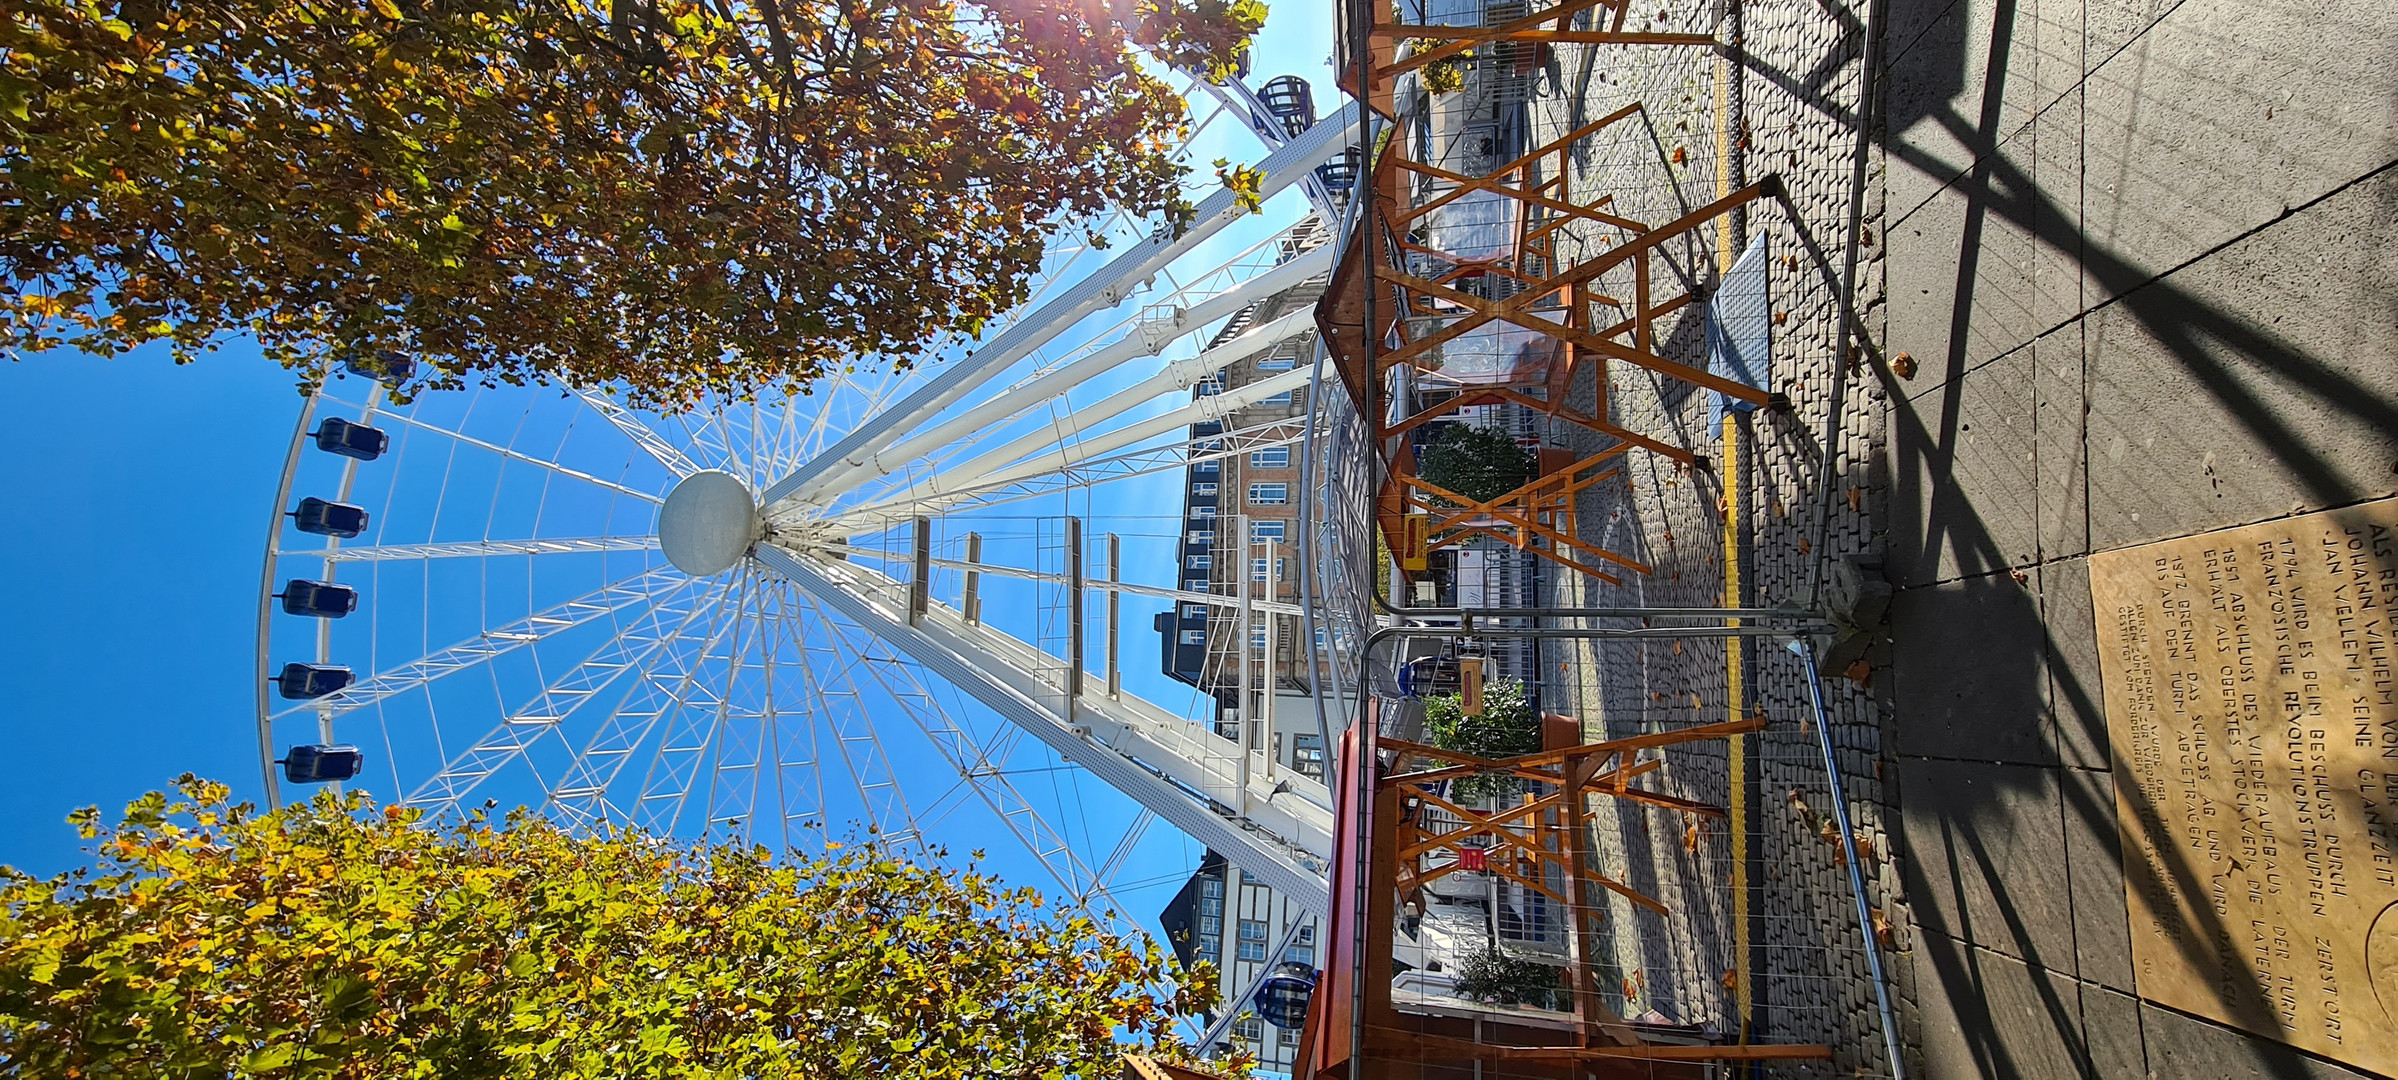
[1476, 462]
[1506, 728]
[1495, 978]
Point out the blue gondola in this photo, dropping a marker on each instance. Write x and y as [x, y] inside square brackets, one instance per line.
[321, 764]
[388, 367]
[1292, 102]
[301, 682]
[1430, 676]
[317, 599]
[329, 518]
[1339, 175]
[1283, 996]
[351, 440]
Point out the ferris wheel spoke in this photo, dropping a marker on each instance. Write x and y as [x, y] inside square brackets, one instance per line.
[466, 549]
[669, 679]
[605, 601]
[977, 769]
[856, 738]
[462, 439]
[702, 708]
[650, 442]
[546, 715]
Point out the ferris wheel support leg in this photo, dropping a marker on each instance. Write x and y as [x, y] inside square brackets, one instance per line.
[1136, 344]
[1103, 289]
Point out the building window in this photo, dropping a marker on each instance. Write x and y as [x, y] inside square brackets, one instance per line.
[1257, 569]
[1301, 954]
[1257, 637]
[1267, 530]
[1253, 941]
[1248, 878]
[1203, 489]
[1319, 637]
[1211, 926]
[1285, 398]
[1201, 536]
[1204, 468]
[1270, 494]
[1197, 584]
[1199, 611]
[1307, 934]
[1212, 887]
[1211, 905]
[1278, 363]
[1199, 562]
[1210, 386]
[1250, 1030]
[1194, 637]
[1307, 758]
[1272, 457]
[1203, 511]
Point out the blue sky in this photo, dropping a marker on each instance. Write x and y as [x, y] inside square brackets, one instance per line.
[141, 496]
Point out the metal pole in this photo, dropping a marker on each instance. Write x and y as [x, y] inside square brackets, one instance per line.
[1848, 844]
[920, 584]
[1074, 606]
[972, 605]
[1115, 615]
[1240, 646]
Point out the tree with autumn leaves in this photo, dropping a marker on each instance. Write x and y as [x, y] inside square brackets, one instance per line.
[676, 197]
[333, 939]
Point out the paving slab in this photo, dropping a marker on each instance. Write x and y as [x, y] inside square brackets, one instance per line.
[2252, 384]
[2111, 1023]
[2102, 943]
[1986, 857]
[2182, 1047]
[1990, 1015]
[2221, 115]
[1969, 679]
[1965, 483]
[1964, 266]
[2076, 705]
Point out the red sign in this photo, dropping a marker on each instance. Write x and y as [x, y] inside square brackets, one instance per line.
[1473, 858]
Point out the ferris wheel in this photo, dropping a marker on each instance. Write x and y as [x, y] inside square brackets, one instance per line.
[877, 605]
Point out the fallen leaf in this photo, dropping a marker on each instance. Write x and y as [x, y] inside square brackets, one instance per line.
[1883, 933]
[1903, 365]
[1856, 499]
[2019, 576]
[1690, 837]
[1860, 672]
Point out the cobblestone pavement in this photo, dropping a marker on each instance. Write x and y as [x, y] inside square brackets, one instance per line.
[1800, 92]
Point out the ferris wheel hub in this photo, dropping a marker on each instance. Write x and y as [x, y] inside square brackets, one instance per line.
[708, 523]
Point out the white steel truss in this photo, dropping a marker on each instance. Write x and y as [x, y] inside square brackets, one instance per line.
[468, 549]
[640, 589]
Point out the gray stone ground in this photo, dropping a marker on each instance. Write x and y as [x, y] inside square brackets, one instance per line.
[2139, 251]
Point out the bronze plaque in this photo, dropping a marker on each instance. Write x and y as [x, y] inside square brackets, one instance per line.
[2249, 694]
